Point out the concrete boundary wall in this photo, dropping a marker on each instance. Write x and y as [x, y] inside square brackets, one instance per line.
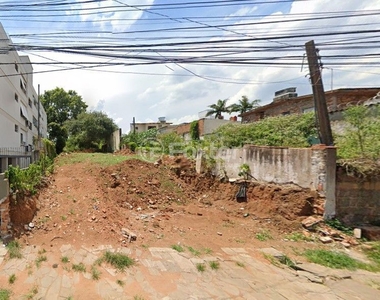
[313, 168]
[4, 189]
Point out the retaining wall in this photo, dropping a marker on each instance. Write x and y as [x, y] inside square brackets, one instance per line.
[313, 168]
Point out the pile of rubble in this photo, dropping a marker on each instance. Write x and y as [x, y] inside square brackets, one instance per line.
[327, 235]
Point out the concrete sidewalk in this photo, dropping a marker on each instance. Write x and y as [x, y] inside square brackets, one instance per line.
[163, 273]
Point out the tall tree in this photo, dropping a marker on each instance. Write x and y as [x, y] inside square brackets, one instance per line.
[90, 131]
[244, 105]
[218, 108]
[61, 106]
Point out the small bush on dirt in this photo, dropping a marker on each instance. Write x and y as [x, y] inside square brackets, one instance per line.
[5, 294]
[214, 265]
[178, 248]
[65, 259]
[201, 267]
[120, 282]
[118, 260]
[14, 249]
[79, 267]
[12, 279]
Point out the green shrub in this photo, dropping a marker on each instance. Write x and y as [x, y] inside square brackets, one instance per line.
[132, 146]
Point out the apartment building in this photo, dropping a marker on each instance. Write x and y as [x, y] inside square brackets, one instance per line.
[22, 118]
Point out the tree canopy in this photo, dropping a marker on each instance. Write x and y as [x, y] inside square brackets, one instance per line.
[218, 108]
[244, 105]
[90, 130]
[61, 106]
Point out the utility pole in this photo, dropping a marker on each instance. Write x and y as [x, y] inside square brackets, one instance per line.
[134, 125]
[321, 111]
[39, 116]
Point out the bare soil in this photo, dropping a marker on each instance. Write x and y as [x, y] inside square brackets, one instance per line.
[162, 204]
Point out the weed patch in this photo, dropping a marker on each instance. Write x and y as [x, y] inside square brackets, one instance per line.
[120, 282]
[79, 267]
[14, 249]
[64, 259]
[264, 235]
[5, 294]
[194, 251]
[214, 265]
[12, 279]
[95, 273]
[40, 259]
[298, 237]
[32, 293]
[178, 248]
[201, 267]
[118, 260]
[336, 260]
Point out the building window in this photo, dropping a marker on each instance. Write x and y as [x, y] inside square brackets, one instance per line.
[34, 101]
[22, 139]
[16, 127]
[30, 102]
[136, 128]
[16, 97]
[23, 85]
[16, 67]
[151, 127]
[35, 123]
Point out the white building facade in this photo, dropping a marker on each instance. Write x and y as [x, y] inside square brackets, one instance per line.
[22, 118]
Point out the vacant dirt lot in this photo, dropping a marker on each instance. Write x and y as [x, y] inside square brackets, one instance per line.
[85, 203]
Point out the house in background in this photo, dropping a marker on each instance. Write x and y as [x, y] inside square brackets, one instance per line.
[288, 102]
[142, 127]
[22, 118]
[205, 126]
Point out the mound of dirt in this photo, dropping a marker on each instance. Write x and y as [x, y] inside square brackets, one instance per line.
[162, 203]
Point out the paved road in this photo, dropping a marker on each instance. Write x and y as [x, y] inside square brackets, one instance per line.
[163, 273]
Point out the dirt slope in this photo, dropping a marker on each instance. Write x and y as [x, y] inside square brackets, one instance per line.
[163, 204]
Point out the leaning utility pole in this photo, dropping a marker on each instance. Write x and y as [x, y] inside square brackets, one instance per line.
[321, 111]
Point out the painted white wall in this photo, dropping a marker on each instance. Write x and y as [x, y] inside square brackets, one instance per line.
[16, 78]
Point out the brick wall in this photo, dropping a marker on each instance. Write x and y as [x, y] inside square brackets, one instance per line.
[357, 199]
[336, 100]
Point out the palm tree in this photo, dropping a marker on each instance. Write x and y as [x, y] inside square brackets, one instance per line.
[218, 108]
[244, 105]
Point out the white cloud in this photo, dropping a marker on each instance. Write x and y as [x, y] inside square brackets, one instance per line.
[180, 98]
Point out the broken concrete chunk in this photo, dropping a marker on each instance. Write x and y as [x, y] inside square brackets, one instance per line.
[325, 239]
[311, 221]
[128, 234]
[358, 233]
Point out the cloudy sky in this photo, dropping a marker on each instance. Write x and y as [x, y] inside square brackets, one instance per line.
[152, 58]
